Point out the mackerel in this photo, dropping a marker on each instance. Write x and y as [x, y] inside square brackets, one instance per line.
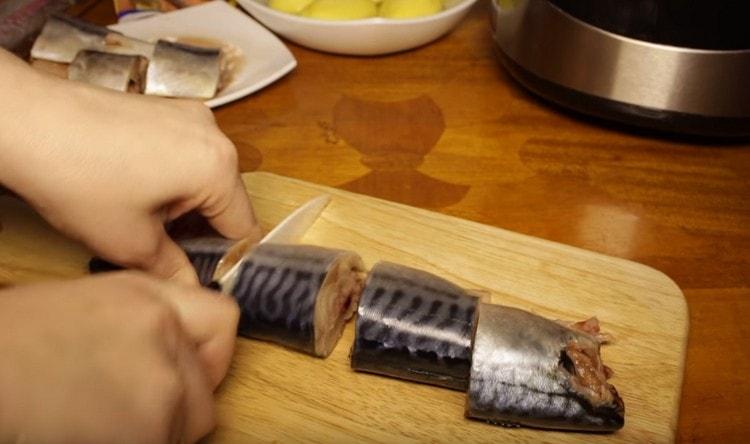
[416, 326]
[299, 296]
[530, 371]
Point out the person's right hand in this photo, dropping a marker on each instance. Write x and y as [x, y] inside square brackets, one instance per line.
[109, 169]
[114, 358]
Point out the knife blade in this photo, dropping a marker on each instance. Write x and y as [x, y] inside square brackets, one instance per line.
[294, 226]
[288, 231]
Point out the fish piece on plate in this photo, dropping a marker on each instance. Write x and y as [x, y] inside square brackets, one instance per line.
[414, 325]
[299, 296]
[205, 253]
[114, 71]
[531, 371]
[63, 37]
[178, 70]
[117, 43]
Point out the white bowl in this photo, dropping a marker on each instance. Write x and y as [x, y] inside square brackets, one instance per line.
[369, 36]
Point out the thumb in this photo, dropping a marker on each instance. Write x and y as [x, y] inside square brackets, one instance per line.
[235, 220]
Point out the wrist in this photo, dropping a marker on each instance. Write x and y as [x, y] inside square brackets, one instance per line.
[20, 88]
[30, 101]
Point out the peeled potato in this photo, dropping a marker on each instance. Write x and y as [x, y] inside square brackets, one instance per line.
[341, 9]
[403, 9]
[291, 6]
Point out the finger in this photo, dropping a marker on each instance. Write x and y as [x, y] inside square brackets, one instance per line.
[236, 220]
[210, 320]
[142, 243]
[169, 260]
[198, 403]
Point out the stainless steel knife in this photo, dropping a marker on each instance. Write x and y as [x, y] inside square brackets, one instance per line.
[288, 231]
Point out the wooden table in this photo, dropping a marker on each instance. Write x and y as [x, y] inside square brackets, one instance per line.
[445, 128]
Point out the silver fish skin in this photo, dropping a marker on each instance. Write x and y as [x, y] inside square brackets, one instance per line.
[178, 70]
[63, 37]
[416, 326]
[204, 254]
[530, 371]
[299, 296]
[113, 71]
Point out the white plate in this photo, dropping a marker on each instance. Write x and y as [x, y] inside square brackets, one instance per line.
[266, 59]
[370, 36]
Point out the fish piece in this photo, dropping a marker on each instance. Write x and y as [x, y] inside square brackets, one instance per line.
[178, 70]
[63, 37]
[414, 325]
[116, 43]
[205, 254]
[299, 296]
[114, 71]
[531, 371]
[231, 61]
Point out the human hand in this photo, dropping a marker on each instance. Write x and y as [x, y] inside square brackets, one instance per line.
[114, 358]
[109, 169]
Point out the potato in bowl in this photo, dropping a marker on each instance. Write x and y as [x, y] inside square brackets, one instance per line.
[354, 31]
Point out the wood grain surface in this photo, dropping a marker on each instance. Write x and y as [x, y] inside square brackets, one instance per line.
[488, 151]
[275, 394]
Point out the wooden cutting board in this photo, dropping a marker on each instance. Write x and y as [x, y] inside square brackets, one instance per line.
[274, 394]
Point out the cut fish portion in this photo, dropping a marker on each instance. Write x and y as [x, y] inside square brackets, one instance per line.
[414, 325]
[205, 253]
[178, 70]
[299, 296]
[117, 43]
[114, 71]
[63, 37]
[531, 371]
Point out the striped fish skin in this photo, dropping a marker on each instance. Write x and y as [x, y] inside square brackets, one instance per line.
[416, 326]
[279, 291]
[522, 374]
[204, 254]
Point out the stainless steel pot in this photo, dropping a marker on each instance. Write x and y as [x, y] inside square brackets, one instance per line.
[632, 62]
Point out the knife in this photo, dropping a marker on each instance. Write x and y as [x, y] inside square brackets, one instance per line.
[288, 231]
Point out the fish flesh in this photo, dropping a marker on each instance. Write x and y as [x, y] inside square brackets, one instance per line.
[178, 70]
[63, 37]
[119, 72]
[414, 325]
[299, 296]
[205, 254]
[530, 371]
